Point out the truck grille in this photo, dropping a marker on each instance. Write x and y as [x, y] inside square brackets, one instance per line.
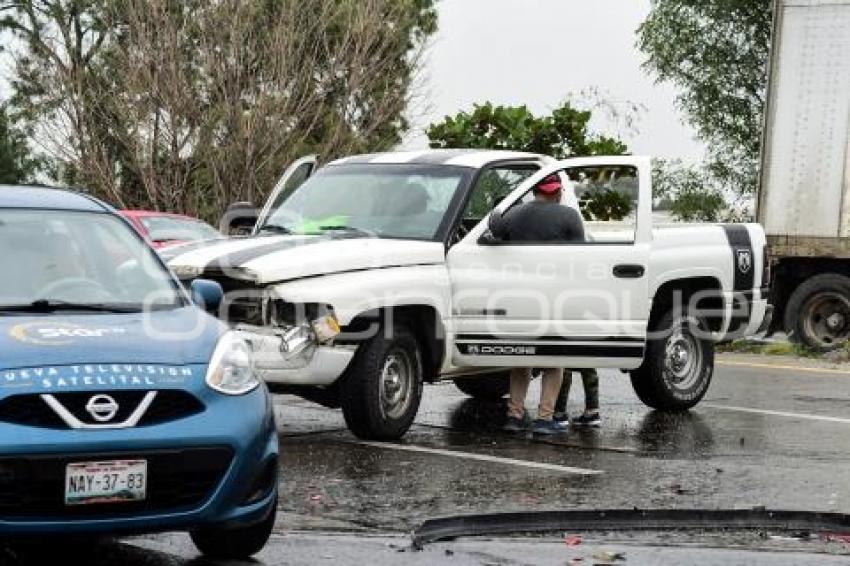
[32, 410]
[33, 486]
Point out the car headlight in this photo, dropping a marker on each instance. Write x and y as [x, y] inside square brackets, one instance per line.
[231, 369]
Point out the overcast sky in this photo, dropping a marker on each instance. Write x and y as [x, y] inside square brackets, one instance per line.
[536, 52]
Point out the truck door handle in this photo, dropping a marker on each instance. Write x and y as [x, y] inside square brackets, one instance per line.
[628, 271]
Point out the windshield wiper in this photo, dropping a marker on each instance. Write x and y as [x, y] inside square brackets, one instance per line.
[276, 228]
[349, 229]
[50, 306]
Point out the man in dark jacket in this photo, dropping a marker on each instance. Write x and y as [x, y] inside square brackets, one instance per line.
[542, 220]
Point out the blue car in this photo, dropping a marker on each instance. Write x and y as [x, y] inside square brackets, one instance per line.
[124, 406]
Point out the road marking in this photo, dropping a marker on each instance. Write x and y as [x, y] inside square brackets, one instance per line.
[794, 368]
[778, 413]
[481, 458]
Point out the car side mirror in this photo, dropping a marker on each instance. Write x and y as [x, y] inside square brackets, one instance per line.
[239, 219]
[207, 294]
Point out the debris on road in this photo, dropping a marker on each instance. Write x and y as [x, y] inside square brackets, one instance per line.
[572, 540]
[609, 557]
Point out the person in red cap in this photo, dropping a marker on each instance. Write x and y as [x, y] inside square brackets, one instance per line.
[543, 220]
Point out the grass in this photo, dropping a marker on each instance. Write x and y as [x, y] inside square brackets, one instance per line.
[745, 346]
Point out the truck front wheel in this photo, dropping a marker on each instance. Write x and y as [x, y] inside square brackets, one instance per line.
[381, 389]
[677, 366]
[818, 312]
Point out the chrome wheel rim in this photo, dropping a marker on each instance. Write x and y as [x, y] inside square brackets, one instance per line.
[398, 378]
[826, 319]
[682, 360]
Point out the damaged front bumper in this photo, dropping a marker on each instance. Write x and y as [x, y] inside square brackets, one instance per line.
[295, 356]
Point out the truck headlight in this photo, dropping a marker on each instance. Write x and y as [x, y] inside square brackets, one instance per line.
[184, 272]
[231, 369]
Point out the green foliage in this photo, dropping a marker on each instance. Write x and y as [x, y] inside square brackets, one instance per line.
[716, 52]
[605, 204]
[17, 163]
[689, 193]
[564, 133]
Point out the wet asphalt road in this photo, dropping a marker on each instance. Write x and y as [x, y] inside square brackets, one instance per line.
[764, 436]
[724, 454]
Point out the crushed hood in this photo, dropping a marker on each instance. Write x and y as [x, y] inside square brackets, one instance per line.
[263, 260]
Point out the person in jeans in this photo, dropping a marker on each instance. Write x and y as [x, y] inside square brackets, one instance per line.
[590, 416]
[542, 220]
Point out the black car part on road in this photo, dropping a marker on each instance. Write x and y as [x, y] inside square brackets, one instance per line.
[627, 519]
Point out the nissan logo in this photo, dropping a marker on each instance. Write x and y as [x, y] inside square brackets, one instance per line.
[102, 408]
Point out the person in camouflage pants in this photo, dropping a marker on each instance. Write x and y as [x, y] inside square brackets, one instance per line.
[590, 416]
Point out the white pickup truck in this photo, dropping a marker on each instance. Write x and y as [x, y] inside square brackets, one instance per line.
[367, 277]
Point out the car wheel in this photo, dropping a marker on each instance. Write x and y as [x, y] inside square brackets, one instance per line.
[233, 543]
[485, 387]
[677, 366]
[382, 388]
[818, 312]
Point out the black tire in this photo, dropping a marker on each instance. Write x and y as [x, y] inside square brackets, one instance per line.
[675, 380]
[382, 388]
[487, 386]
[818, 312]
[239, 543]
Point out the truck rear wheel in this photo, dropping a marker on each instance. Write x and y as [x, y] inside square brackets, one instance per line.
[678, 364]
[485, 387]
[818, 312]
[382, 388]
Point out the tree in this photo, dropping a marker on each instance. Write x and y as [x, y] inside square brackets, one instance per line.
[716, 52]
[17, 163]
[564, 133]
[688, 192]
[189, 105]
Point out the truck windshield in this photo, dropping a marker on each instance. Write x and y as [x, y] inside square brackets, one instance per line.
[392, 201]
[78, 260]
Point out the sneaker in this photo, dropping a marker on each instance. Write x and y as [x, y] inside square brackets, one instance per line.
[563, 419]
[516, 424]
[585, 419]
[546, 427]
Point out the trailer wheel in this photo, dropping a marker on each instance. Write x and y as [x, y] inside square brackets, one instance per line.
[485, 387]
[381, 390]
[818, 312]
[678, 364]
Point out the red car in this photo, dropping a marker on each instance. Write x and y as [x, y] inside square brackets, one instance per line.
[163, 229]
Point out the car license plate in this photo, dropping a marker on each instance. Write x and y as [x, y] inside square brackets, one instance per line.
[114, 481]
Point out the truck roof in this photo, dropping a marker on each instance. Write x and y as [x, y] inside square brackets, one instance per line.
[474, 158]
[47, 198]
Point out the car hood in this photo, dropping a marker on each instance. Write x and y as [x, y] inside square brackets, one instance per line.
[176, 337]
[263, 260]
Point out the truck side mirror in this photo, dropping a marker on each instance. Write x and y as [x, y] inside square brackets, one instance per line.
[239, 219]
[488, 239]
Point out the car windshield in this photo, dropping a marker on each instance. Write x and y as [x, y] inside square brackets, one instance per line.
[79, 259]
[174, 228]
[392, 201]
